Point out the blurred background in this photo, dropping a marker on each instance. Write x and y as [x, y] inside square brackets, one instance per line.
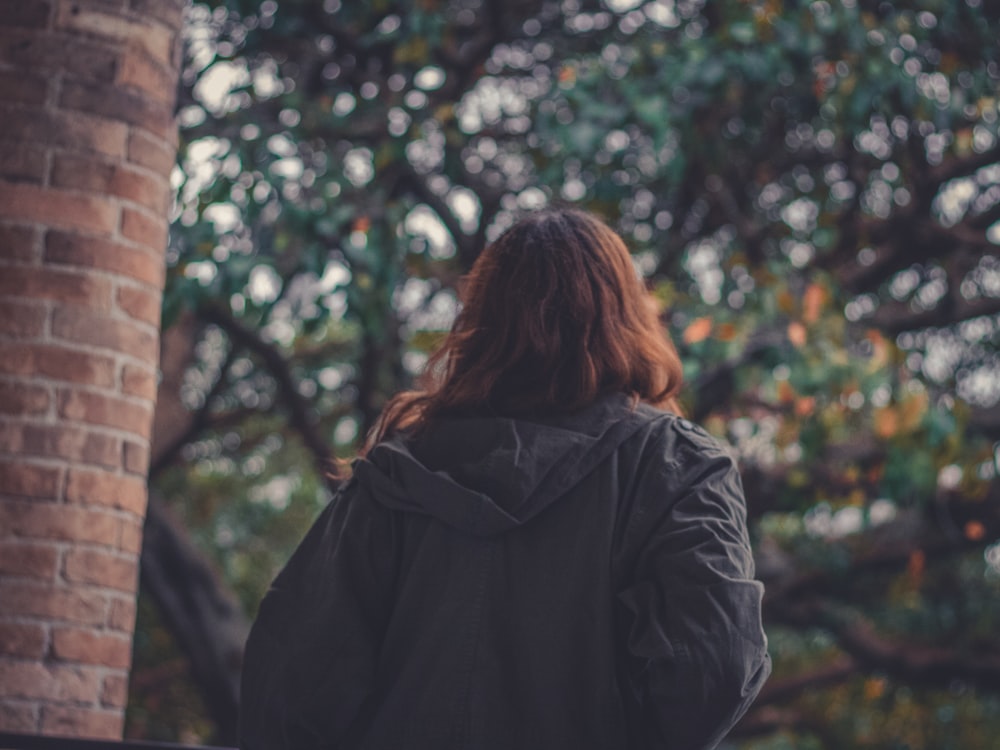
[811, 190]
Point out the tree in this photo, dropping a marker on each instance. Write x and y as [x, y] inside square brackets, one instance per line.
[812, 189]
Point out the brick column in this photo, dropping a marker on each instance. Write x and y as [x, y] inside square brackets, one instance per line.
[87, 141]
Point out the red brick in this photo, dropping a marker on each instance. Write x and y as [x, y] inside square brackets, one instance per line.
[104, 332]
[24, 639]
[19, 717]
[71, 443]
[29, 559]
[21, 320]
[114, 691]
[69, 55]
[130, 539]
[23, 87]
[136, 458]
[123, 106]
[139, 381]
[105, 410]
[27, 480]
[144, 229]
[96, 487]
[91, 173]
[60, 522]
[141, 188]
[101, 569]
[70, 287]
[57, 682]
[17, 358]
[82, 722]
[91, 252]
[56, 362]
[156, 154]
[21, 163]
[91, 647]
[122, 616]
[11, 437]
[17, 243]
[57, 208]
[141, 304]
[96, 175]
[116, 5]
[170, 12]
[156, 39]
[73, 131]
[65, 364]
[141, 72]
[33, 15]
[21, 399]
[31, 599]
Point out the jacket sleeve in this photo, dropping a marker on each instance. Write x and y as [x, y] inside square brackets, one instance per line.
[311, 656]
[695, 650]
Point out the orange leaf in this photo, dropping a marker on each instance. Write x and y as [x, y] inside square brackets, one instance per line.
[726, 332]
[812, 302]
[786, 302]
[880, 349]
[874, 688]
[886, 422]
[915, 565]
[912, 411]
[963, 140]
[797, 334]
[875, 336]
[786, 394]
[698, 330]
[362, 224]
[974, 531]
[805, 406]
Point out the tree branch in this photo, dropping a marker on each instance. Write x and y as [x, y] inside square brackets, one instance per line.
[889, 547]
[778, 691]
[464, 243]
[200, 420]
[986, 421]
[302, 416]
[962, 166]
[715, 386]
[908, 662]
[895, 317]
[985, 219]
[954, 307]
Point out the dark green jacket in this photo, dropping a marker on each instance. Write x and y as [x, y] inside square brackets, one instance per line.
[580, 581]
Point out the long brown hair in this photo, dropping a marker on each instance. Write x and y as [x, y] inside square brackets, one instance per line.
[553, 316]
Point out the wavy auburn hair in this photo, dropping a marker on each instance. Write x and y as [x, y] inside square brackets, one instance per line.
[553, 316]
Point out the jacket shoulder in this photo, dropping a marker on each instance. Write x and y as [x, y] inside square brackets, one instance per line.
[677, 435]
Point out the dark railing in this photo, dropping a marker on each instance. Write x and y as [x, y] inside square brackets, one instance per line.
[39, 742]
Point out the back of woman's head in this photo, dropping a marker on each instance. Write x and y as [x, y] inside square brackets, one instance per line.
[553, 316]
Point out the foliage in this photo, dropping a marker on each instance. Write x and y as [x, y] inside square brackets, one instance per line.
[812, 190]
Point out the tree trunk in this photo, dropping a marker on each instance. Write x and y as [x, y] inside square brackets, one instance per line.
[206, 621]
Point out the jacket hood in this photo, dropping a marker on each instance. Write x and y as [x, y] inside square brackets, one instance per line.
[486, 475]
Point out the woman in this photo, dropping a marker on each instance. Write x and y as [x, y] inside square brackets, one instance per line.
[531, 553]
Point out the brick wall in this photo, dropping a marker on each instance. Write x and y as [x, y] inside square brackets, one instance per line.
[87, 141]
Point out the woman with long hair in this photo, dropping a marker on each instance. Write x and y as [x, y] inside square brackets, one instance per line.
[534, 550]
